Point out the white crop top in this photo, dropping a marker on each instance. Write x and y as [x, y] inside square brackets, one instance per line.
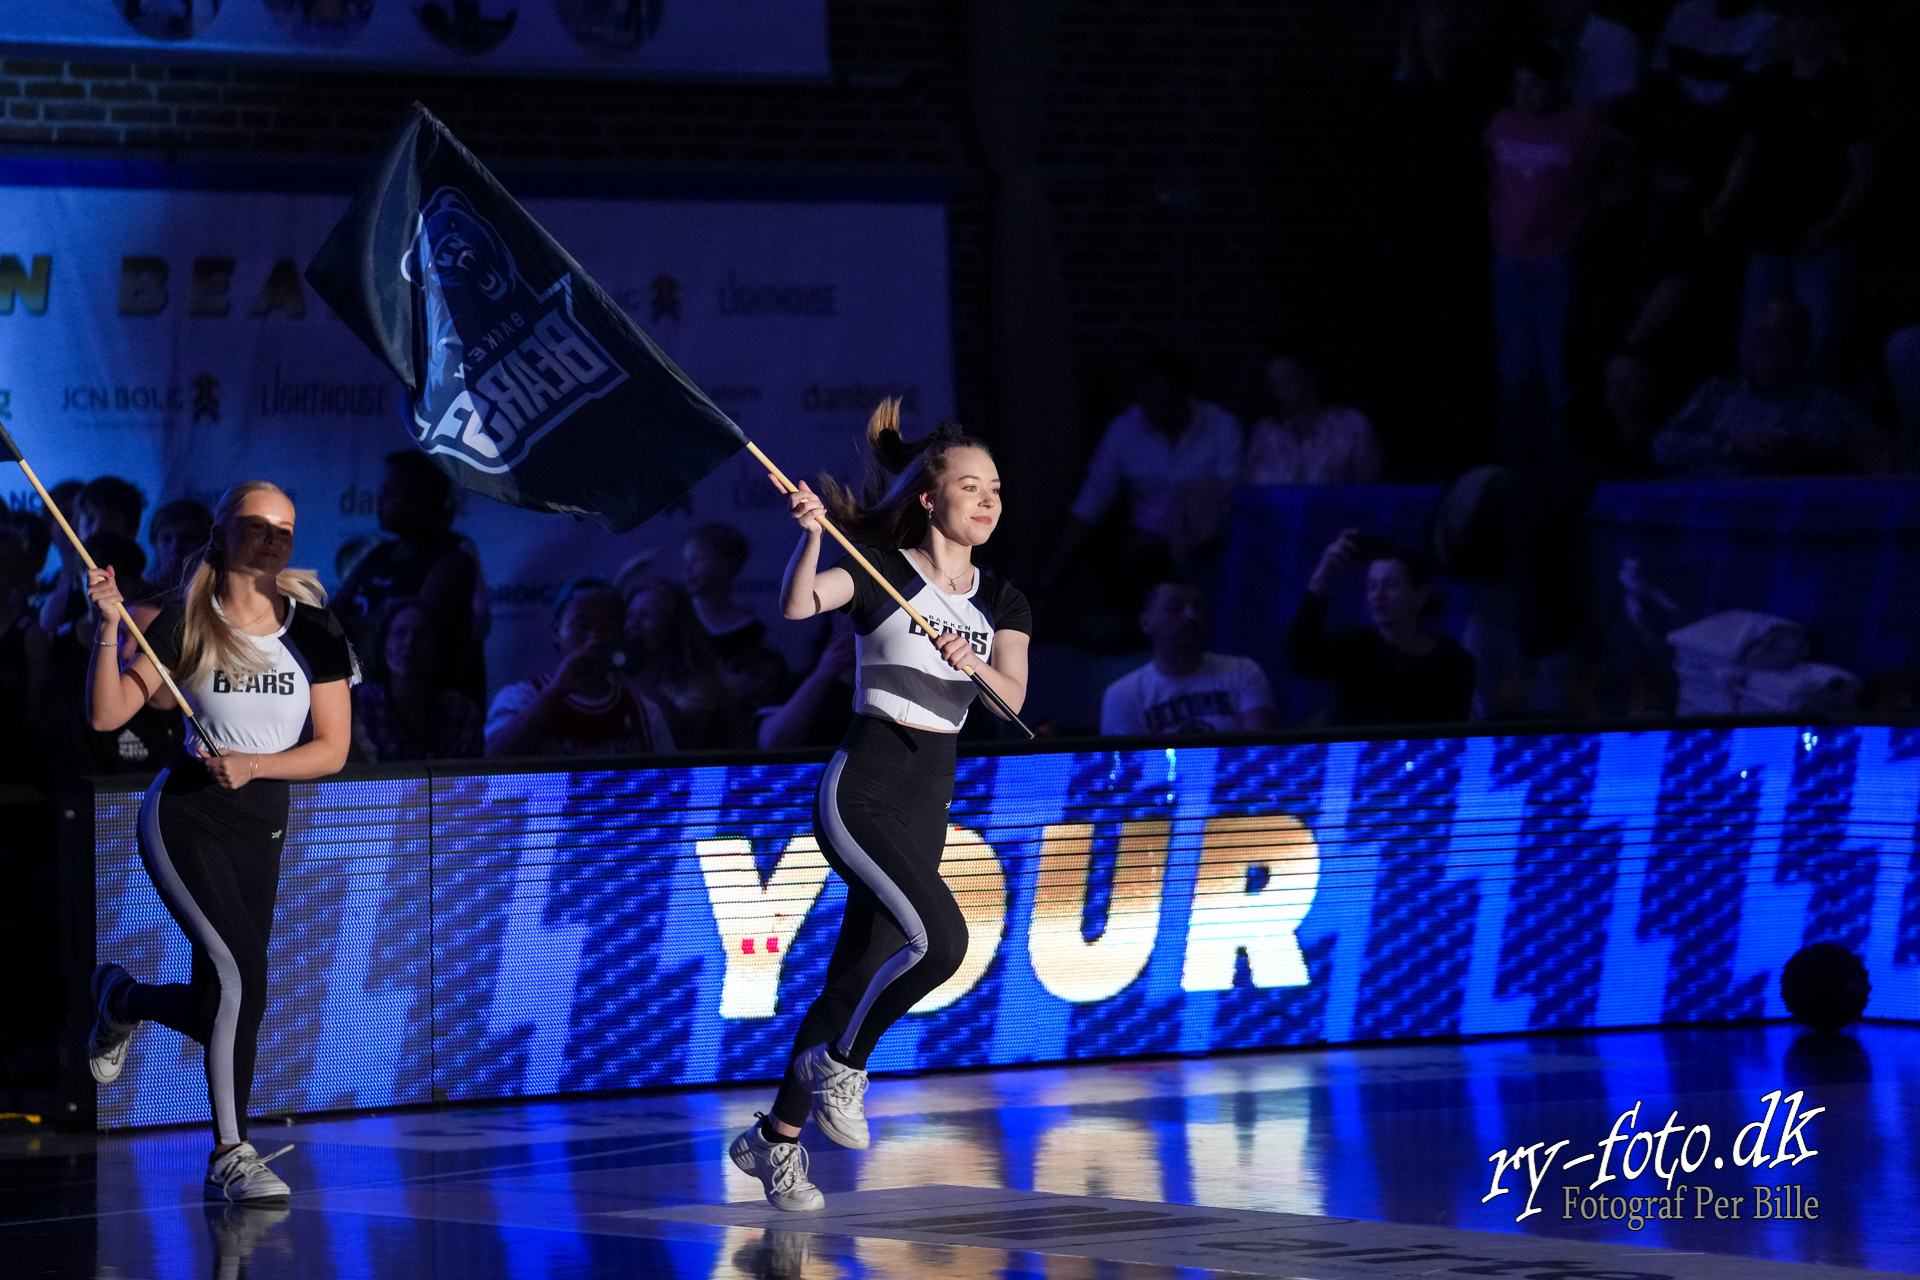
[901, 675]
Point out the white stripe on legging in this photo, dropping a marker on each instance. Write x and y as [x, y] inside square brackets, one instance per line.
[883, 888]
[226, 1022]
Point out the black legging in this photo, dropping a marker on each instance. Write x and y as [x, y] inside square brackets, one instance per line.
[214, 856]
[881, 818]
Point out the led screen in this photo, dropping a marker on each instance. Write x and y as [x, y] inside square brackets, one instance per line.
[476, 935]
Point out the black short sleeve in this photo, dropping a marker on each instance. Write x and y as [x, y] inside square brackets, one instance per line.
[870, 600]
[1007, 605]
[167, 633]
[321, 642]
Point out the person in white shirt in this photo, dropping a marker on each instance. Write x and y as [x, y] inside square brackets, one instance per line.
[1176, 457]
[1708, 44]
[1185, 689]
[1603, 56]
[1305, 441]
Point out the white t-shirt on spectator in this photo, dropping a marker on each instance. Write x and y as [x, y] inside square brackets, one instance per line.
[1134, 454]
[1706, 53]
[1211, 700]
[1605, 64]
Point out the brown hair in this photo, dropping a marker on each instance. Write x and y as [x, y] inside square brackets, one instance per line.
[209, 640]
[888, 511]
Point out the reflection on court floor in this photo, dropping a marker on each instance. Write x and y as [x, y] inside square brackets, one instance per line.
[1325, 1163]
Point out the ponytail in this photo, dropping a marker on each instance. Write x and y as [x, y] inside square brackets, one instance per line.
[888, 512]
[209, 640]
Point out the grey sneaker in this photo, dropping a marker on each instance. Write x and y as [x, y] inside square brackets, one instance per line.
[242, 1177]
[781, 1168]
[108, 1042]
[839, 1097]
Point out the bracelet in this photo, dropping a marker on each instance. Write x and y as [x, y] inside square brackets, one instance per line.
[255, 761]
[107, 644]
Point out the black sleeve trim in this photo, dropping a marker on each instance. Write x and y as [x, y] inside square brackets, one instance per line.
[322, 641]
[1006, 606]
[167, 634]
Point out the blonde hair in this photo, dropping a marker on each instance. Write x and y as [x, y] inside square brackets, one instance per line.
[209, 641]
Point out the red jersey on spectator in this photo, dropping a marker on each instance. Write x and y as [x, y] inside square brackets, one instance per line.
[1548, 171]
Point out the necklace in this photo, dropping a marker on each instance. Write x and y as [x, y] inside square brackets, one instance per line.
[953, 580]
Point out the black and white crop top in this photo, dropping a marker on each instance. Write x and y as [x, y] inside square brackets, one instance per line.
[901, 674]
[270, 711]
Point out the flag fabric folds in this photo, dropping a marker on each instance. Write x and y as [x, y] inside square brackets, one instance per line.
[526, 381]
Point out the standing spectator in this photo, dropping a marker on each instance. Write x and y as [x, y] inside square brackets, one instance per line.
[1802, 178]
[177, 532]
[1773, 420]
[1305, 441]
[422, 561]
[25, 674]
[714, 555]
[106, 505]
[1176, 458]
[586, 706]
[1186, 689]
[1395, 671]
[669, 658]
[1708, 45]
[402, 710]
[1602, 56]
[1555, 166]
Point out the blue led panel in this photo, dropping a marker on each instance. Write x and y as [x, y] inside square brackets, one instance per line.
[538, 933]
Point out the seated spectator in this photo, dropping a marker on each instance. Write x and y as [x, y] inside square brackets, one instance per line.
[1708, 45]
[1185, 689]
[25, 673]
[820, 711]
[1395, 671]
[714, 555]
[1603, 56]
[586, 706]
[1175, 457]
[422, 561]
[1802, 177]
[177, 532]
[1772, 421]
[402, 709]
[1304, 441]
[1556, 169]
[669, 658]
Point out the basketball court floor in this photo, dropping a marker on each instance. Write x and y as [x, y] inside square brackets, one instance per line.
[1328, 1163]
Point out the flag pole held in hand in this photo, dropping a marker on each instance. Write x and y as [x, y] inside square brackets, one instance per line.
[986, 691]
[10, 452]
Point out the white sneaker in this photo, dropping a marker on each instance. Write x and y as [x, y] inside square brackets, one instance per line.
[781, 1168]
[237, 1230]
[242, 1176]
[839, 1097]
[108, 1042]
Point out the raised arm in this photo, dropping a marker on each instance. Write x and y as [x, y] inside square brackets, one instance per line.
[115, 693]
[807, 589]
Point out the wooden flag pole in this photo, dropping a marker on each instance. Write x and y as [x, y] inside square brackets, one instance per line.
[789, 486]
[9, 448]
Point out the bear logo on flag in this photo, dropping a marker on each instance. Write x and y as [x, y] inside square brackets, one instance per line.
[505, 364]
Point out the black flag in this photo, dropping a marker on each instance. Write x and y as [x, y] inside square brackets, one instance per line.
[527, 382]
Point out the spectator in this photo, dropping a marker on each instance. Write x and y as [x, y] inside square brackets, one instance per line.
[1174, 456]
[401, 710]
[587, 706]
[669, 657]
[821, 709]
[1304, 441]
[1635, 400]
[1555, 166]
[714, 555]
[106, 505]
[25, 671]
[1395, 671]
[1801, 178]
[422, 561]
[177, 532]
[1186, 689]
[1602, 56]
[1708, 45]
[1773, 420]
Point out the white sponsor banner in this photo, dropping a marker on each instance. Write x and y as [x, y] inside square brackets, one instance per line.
[733, 38]
[167, 337]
